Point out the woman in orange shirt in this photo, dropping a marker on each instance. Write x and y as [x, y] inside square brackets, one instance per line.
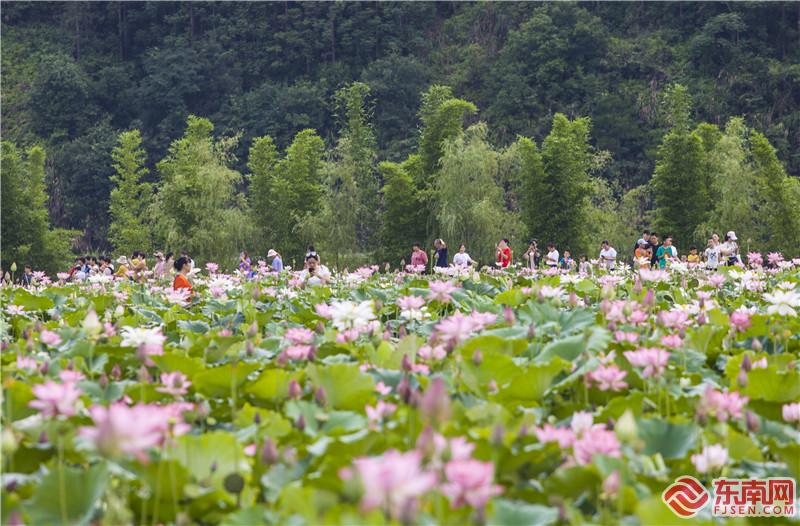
[183, 267]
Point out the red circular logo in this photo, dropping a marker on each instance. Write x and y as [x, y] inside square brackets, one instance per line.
[685, 497]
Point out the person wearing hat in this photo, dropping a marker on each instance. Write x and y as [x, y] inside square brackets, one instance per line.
[730, 249]
[277, 262]
[159, 269]
[122, 269]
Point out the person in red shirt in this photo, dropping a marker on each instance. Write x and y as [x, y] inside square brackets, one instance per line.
[503, 254]
[183, 267]
[418, 256]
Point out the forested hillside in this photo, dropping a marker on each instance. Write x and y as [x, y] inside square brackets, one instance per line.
[399, 96]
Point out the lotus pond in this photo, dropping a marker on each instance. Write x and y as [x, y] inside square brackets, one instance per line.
[463, 397]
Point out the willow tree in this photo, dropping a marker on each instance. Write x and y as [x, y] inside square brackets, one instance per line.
[403, 214]
[470, 201]
[197, 207]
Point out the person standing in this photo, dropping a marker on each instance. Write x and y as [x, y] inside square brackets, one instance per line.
[665, 252]
[654, 246]
[712, 254]
[644, 239]
[27, 276]
[730, 250]
[566, 262]
[551, 259]
[418, 256]
[277, 262]
[503, 254]
[462, 259]
[440, 254]
[159, 269]
[643, 254]
[244, 263]
[532, 256]
[183, 267]
[608, 255]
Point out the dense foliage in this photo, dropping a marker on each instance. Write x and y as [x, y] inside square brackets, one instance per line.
[510, 398]
[341, 87]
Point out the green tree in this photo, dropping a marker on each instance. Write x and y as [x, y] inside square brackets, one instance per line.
[403, 214]
[556, 184]
[680, 183]
[197, 207]
[27, 236]
[284, 191]
[131, 198]
[470, 202]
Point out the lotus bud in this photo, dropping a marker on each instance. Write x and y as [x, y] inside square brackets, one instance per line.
[312, 354]
[637, 286]
[9, 441]
[408, 512]
[13, 266]
[435, 403]
[282, 358]
[319, 396]
[295, 391]
[15, 519]
[753, 421]
[378, 305]
[405, 364]
[119, 311]
[531, 331]
[404, 389]
[44, 367]
[626, 428]
[741, 379]
[252, 330]
[756, 345]
[649, 298]
[573, 299]
[492, 387]
[702, 319]
[612, 326]
[746, 363]
[11, 487]
[103, 381]
[257, 418]
[498, 435]
[387, 335]
[144, 375]
[256, 292]
[508, 316]
[213, 467]
[300, 423]
[269, 453]
[320, 329]
[91, 324]
[3, 346]
[477, 357]
[42, 438]
[402, 332]
[426, 443]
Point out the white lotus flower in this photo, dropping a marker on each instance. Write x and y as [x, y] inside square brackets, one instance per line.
[351, 315]
[783, 302]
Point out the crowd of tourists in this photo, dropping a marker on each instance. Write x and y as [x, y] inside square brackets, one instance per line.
[650, 251]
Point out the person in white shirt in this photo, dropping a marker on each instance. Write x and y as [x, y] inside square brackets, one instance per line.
[461, 258]
[712, 255]
[608, 256]
[551, 259]
[730, 249]
[315, 274]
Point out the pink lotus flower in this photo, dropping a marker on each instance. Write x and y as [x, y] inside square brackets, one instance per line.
[671, 341]
[69, 376]
[323, 310]
[716, 280]
[481, 320]
[562, 435]
[623, 337]
[608, 378]
[470, 482]
[50, 338]
[611, 484]
[379, 412]
[175, 384]
[382, 388]
[299, 352]
[596, 441]
[760, 364]
[440, 291]
[27, 363]
[299, 335]
[393, 482]
[454, 329]
[122, 430]
[774, 258]
[740, 320]
[410, 302]
[754, 259]
[791, 412]
[674, 319]
[54, 399]
[432, 353]
[653, 360]
[722, 405]
[212, 267]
